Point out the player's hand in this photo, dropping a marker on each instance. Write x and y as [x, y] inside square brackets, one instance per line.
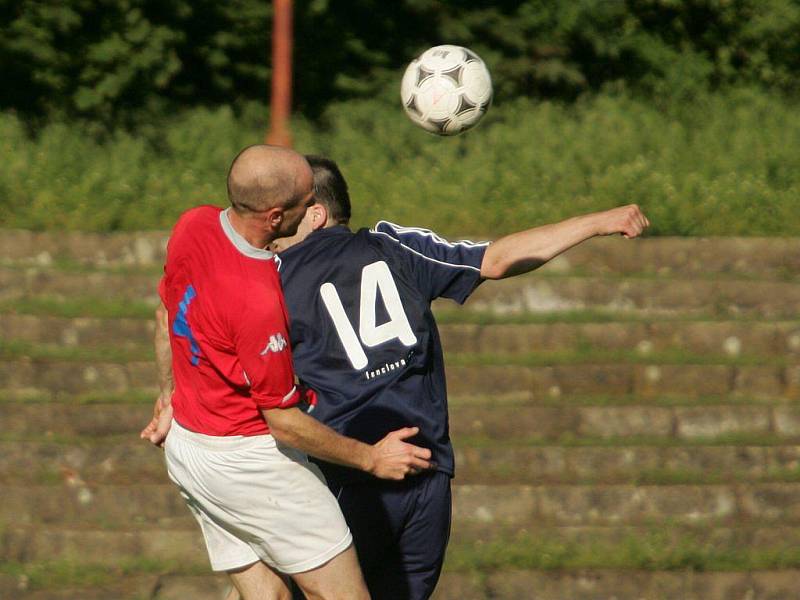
[158, 427]
[394, 459]
[629, 221]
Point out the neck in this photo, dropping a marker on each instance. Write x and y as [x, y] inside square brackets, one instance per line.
[250, 230]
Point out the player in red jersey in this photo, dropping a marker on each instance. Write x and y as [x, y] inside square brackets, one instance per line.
[264, 510]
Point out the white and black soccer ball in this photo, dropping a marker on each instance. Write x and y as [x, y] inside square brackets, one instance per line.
[446, 90]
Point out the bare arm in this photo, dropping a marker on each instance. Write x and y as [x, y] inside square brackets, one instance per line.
[166, 383]
[390, 458]
[528, 250]
[156, 431]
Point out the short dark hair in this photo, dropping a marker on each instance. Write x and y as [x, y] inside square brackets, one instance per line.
[330, 188]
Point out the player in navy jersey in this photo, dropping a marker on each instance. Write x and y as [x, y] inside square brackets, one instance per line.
[364, 337]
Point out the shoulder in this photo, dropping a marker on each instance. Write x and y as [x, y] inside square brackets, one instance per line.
[428, 245]
[419, 236]
[200, 214]
[195, 220]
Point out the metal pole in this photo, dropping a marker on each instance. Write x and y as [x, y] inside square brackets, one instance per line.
[281, 104]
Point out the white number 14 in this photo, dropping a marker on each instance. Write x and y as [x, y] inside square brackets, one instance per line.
[375, 278]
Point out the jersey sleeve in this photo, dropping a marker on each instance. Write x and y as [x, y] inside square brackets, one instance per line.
[442, 269]
[262, 346]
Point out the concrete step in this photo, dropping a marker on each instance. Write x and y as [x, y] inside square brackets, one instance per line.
[481, 506]
[519, 464]
[94, 249]
[32, 282]
[530, 293]
[501, 423]
[724, 338]
[644, 380]
[46, 376]
[688, 297]
[740, 257]
[108, 586]
[501, 584]
[128, 460]
[111, 460]
[686, 423]
[81, 331]
[608, 584]
[762, 258]
[599, 546]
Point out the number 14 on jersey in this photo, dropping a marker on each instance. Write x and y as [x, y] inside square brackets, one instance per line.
[375, 278]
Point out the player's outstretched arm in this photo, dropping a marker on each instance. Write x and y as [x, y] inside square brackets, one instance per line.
[390, 458]
[528, 250]
[156, 431]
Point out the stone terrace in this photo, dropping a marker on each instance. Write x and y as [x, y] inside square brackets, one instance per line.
[626, 423]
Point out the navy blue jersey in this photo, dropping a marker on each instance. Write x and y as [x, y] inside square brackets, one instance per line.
[363, 334]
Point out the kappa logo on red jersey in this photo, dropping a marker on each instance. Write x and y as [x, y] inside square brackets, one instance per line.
[276, 344]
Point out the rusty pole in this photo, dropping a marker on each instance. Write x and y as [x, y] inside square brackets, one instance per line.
[281, 103]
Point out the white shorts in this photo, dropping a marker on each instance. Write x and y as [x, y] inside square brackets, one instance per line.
[256, 499]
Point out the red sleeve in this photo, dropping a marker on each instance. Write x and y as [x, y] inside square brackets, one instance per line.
[262, 345]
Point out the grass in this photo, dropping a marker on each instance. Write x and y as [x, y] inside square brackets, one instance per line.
[79, 306]
[146, 396]
[65, 265]
[570, 440]
[650, 550]
[466, 316]
[575, 400]
[783, 273]
[70, 440]
[59, 574]
[478, 441]
[16, 349]
[587, 355]
[92, 306]
[602, 356]
[504, 474]
[653, 550]
[131, 397]
[698, 477]
[723, 164]
[72, 266]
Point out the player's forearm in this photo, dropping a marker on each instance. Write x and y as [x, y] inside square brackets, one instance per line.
[294, 428]
[525, 251]
[163, 351]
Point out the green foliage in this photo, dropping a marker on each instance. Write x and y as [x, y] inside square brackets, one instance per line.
[115, 62]
[719, 165]
[111, 61]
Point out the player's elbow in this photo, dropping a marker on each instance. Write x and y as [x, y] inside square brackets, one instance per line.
[492, 271]
[499, 265]
[492, 265]
[280, 425]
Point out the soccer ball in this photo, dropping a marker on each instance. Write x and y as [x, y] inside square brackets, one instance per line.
[446, 90]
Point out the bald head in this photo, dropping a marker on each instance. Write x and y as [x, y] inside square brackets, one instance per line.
[262, 177]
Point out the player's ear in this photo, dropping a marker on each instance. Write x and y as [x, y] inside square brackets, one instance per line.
[273, 218]
[318, 216]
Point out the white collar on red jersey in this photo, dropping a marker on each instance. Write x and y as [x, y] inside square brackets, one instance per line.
[241, 244]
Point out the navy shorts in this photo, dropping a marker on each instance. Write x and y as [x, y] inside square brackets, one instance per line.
[400, 530]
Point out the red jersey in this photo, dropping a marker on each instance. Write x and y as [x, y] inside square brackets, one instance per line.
[228, 328]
